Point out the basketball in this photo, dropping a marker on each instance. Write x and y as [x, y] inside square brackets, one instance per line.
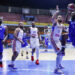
[71, 6]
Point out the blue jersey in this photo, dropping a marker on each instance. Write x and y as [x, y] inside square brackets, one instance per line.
[24, 39]
[72, 29]
[72, 32]
[46, 41]
[2, 31]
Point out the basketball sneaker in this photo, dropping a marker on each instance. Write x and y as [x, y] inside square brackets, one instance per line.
[32, 58]
[1, 64]
[37, 62]
[12, 67]
[61, 67]
[58, 71]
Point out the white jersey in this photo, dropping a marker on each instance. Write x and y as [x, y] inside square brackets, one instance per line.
[57, 32]
[34, 32]
[20, 34]
[16, 43]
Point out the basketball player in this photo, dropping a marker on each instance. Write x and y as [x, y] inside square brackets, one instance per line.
[71, 21]
[46, 42]
[25, 45]
[56, 33]
[18, 35]
[34, 42]
[63, 40]
[3, 37]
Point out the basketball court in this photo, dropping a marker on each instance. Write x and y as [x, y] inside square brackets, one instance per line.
[46, 66]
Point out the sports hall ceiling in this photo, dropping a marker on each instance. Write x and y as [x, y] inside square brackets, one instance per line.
[41, 4]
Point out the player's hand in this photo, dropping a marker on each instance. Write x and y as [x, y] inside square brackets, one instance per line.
[3, 41]
[57, 8]
[22, 42]
[58, 49]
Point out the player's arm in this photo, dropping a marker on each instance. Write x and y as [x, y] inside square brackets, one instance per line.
[38, 33]
[55, 15]
[28, 32]
[52, 32]
[51, 36]
[15, 35]
[6, 34]
[52, 40]
[68, 17]
[65, 33]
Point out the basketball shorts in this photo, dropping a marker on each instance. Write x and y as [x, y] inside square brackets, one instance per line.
[34, 42]
[16, 46]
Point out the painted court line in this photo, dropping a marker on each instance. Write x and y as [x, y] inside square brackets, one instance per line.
[41, 70]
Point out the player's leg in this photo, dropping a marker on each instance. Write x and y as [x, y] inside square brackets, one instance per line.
[14, 56]
[63, 43]
[62, 52]
[16, 50]
[58, 62]
[37, 51]
[58, 59]
[27, 55]
[32, 45]
[32, 56]
[1, 53]
[27, 50]
[37, 55]
[1, 56]
[46, 45]
[25, 47]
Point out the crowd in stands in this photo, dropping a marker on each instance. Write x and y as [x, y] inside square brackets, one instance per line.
[18, 17]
